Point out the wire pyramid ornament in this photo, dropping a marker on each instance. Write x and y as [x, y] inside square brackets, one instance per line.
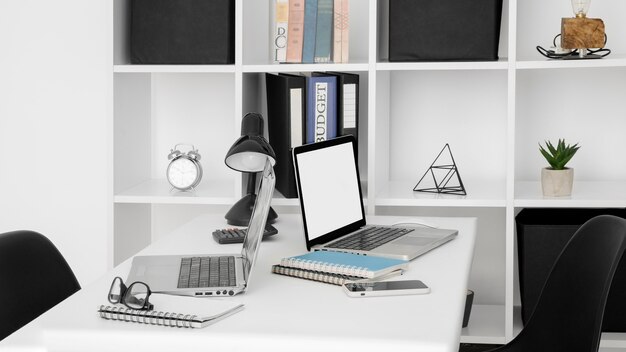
[445, 175]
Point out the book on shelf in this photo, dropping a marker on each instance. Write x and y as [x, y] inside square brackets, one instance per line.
[310, 31]
[286, 108]
[341, 30]
[347, 103]
[174, 311]
[295, 31]
[280, 28]
[310, 23]
[324, 31]
[341, 263]
[333, 279]
[321, 116]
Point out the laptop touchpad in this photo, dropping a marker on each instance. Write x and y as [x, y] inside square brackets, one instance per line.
[413, 241]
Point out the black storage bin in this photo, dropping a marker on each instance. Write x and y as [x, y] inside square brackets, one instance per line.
[182, 31]
[541, 236]
[437, 30]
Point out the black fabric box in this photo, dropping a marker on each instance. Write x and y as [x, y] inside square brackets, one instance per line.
[182, 31]
[541, 236]
[437, 30]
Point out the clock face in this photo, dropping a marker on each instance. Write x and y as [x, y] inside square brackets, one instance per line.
[182, 173]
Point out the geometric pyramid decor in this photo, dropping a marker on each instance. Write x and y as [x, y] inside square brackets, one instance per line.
[445, 177]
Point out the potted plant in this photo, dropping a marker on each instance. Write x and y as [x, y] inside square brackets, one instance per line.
[557, 180]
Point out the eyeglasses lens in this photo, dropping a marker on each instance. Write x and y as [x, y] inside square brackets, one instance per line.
[137, 295]
[115, 293]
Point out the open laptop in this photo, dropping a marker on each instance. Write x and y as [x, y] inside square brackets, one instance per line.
[209, 275]
[333, 216]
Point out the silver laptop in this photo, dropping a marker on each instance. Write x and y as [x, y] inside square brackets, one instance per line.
[209, 275]
[333, 216]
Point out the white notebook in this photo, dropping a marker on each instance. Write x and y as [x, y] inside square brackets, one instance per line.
[174, 311]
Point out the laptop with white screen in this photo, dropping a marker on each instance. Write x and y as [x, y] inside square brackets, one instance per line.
[333, 216]
[209, 274]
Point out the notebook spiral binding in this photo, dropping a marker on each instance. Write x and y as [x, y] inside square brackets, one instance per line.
[332, 268]
[152, 317]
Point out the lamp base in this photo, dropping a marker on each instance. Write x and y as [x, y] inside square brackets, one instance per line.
[239, 214]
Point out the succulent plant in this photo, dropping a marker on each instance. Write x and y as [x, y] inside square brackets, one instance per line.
[558, 157]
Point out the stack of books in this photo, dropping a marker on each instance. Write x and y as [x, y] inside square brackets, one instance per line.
[310, 31]
[338, 268]
[306, 109]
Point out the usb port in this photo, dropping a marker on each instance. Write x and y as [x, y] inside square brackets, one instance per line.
[208, 293]
[198, 293]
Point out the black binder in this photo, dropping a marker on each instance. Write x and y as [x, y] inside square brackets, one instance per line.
[283, 129]
[345, 127]
[182, 32]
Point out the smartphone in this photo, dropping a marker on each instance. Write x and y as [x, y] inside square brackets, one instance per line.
[385, 288]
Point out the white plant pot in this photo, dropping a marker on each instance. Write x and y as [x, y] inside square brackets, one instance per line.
[557, 183]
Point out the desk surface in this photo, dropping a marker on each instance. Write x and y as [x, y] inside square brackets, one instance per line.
[281, 312]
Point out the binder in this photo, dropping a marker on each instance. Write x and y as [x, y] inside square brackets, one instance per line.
[286, 108]
[348, 103]
[363, 266]
[321, 116]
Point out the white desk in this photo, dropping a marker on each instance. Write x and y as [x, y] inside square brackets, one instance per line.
[281, 313]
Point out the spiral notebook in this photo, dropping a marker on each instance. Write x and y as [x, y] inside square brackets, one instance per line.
[333, 279]
[341, 263]
[174, 311]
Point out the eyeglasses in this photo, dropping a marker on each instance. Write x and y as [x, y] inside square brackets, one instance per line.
[134, 296]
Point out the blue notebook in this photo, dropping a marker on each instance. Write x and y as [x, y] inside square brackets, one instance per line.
[345, 264]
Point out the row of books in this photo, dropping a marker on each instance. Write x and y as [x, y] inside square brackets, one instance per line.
[305, 109]
[308, 31]
[338, 268]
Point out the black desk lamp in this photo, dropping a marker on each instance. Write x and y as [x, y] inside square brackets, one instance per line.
[248, 154]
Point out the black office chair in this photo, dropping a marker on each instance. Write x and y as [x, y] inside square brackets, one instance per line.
[568, 315]
[34, 277]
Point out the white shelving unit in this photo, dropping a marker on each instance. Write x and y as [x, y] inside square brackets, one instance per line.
[493, 115]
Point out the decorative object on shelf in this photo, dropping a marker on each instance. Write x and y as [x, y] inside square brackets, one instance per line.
[184, 171]
[445, 171]
[249, 154]
[435, 30]
[557, 180]
[578, 35]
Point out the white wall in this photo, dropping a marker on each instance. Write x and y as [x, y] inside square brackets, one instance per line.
[55, 105]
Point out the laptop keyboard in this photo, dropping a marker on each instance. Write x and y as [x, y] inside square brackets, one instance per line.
[370, 238]
[207, 272]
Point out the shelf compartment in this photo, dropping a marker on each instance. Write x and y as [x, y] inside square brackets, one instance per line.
[173, 68]
[609, 61]
[258, 19]
[501, 64]
[159, 191]
[486, 325]
[479, 194]
[586, 194]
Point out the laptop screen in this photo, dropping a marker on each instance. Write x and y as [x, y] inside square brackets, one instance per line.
[329, 189]
[258, 219]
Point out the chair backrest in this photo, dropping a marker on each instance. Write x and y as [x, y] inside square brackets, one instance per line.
[34, 277]
[568, 315]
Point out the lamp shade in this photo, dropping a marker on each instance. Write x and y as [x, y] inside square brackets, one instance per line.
[249, 152]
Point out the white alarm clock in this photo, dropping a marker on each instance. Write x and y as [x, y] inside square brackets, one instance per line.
[184, 171]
